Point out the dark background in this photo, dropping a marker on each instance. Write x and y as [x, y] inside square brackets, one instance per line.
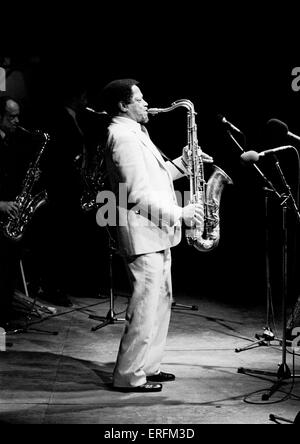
[247, 87]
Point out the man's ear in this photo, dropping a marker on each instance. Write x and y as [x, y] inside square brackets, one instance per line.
[122, 107]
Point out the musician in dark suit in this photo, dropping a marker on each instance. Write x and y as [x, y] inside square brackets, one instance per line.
[57, 240]
[14, 161]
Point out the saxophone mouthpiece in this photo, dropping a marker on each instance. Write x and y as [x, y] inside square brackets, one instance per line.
[24, 129]
[32, 132]
[154, 111]
[91, 110]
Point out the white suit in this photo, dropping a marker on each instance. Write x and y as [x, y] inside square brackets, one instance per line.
[148, 225]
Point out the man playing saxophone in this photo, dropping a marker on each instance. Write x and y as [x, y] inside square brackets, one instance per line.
[135, 164]
[14, 161]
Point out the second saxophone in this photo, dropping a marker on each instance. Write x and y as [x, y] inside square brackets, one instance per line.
[26, 201]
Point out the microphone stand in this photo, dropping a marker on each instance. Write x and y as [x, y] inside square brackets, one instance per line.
[268, 335]
[110, 318]
[283, 372]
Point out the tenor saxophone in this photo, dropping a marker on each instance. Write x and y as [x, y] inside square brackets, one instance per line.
[204, 237]
[26, 201]
[93, 172]
[93, 175]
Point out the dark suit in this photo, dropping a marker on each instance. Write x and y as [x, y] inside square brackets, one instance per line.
[58, 229]
[15, 156]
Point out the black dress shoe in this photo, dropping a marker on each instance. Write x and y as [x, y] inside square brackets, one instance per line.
[144, 388]
[161, 377]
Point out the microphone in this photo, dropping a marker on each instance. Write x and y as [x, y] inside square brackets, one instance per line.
[230, 125]
[281, 129]
[253, 156]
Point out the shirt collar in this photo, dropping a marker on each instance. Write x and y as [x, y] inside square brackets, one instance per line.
[128, 122]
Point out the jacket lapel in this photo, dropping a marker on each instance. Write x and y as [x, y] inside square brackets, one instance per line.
[150, 146]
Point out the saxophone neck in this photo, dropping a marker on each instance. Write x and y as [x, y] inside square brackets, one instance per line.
[36, 132]
[46, 137]
[186, 104]
[178, 103]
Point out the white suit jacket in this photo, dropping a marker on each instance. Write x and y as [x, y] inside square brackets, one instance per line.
[148, 216]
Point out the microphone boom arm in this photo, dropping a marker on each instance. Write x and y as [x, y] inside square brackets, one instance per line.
[289, 192]
[270, 185]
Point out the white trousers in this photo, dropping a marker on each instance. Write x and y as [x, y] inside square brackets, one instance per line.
[147, 319]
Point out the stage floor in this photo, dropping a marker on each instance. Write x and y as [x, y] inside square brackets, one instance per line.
[64, 378]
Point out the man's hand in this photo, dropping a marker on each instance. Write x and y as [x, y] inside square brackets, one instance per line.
[207, 158]
[37, 174]
[186, 153]
[9, 208]
[193, 214]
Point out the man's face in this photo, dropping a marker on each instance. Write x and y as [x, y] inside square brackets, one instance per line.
[10, 120]
[137, 108]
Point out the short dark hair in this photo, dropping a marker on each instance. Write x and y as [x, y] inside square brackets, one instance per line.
[115, 92]
[3, 103]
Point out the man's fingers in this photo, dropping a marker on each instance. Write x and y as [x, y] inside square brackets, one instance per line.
[13, 209]
[198, 219]
[208, 159]
[12, 212]
[199, 210]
